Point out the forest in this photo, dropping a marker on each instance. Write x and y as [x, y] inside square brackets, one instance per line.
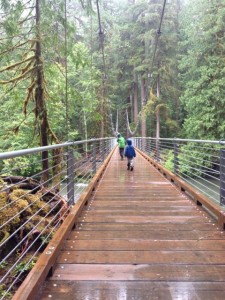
[76, 70]
[81, 69]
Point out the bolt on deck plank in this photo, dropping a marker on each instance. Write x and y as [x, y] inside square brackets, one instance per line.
[140, 237]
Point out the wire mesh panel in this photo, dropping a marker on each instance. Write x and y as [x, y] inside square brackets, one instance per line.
[199, 163]
[35, 200]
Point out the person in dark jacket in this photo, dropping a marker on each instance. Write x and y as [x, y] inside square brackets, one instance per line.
[130, 154]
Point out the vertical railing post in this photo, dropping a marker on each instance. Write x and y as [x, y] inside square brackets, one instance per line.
[157, 150]
[144, 144]
[147, 146]
[70, 177]
[94, 167]
[103, 150]
[222, 176]
[150, 146]
[176, 159]
[108, 146]
[111, 144]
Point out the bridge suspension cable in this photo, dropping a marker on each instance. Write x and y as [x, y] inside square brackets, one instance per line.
[114, 130]
[158, 33]
[128, 124]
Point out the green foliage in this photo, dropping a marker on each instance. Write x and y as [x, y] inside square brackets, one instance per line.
[194, 160]
[4, 293]
[24, 267]
[129, 49]
[46, 239]
[23, 166]
[21, 131]
[5, 5]
[3, 265]
[169, 162]
[202, 69]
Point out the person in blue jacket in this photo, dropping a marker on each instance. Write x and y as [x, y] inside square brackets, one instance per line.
[130, 154]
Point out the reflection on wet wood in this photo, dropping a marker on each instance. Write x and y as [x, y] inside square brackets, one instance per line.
[113, 290]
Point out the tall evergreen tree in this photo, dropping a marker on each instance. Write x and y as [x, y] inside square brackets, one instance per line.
[202, 69]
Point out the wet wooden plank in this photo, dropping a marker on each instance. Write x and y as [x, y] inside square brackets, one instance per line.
[126, 197]
[135, 210]
[152, 226]
[149, 226]
[146, 204]
[150, 245]
[141, 193]
[146, 235]
[144, 219]
[140, 272]
[111, 290]
[131, 213]
[142, 257]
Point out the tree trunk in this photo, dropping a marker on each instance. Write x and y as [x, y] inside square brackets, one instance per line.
[85, 132]
[131, 106]
[102, 132]
[66, 73]
[158, 110]
[143, 103]
[135, 86]
[40, 109]
[158, 121]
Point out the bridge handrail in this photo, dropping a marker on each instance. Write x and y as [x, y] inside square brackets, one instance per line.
[200, 163]
[16, 153]
[220, 142]
[35, 199]
[33, 282]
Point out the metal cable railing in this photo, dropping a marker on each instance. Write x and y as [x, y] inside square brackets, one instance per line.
[200, 163]
[33, 205]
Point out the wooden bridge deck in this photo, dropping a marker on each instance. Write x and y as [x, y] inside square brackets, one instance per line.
[138, 238]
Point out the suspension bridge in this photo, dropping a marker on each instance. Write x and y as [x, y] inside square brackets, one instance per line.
[149, 233]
